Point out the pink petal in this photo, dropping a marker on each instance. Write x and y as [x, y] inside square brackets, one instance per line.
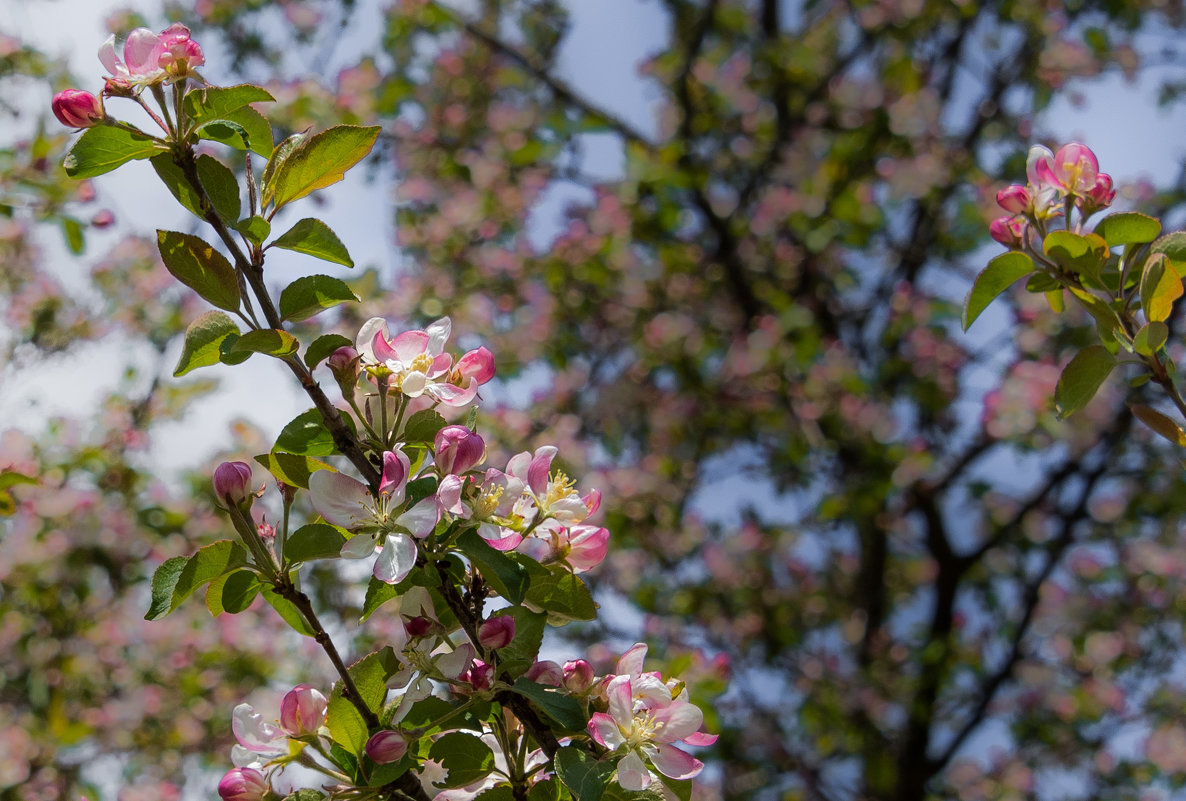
[592, 501]
[372, 331]
[409, 345]
[700, 738]
[603, 729]
[395, 475]
[449, 495]
[630, 663]
[110, 60]
[140, 52]
[621, 701]
[438, 334]
[633, 773]
[359, 547]
[498, 538]
[477, 364]
[253, 732]
[454, 396]
[677, 721]
[340, 499]
[589, 547]
[421, 519]
[441, 365]
[541, 465]
[674, 763]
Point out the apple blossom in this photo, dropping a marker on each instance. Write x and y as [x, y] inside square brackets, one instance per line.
[457, 449]
[416, 365]
[176, 53]
[578, 676]
[258, 740]
[302, 711]
[243, 784]
[1009, 231]
[386, 746]
[545, 672]
[497, 632]
[77, 109]
[1014, 199]
[232, 482]
[495, 505]
[150, 58]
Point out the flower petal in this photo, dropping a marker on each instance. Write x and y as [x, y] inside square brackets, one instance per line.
[359, 547]
[700, 738]
[674, 763]
[396, 560]
[438, 334]
[677, 721]
[421, 519]
[340, 499]
[631, 662]
[603, 729]
[621, 701]
[633, 773]
[365, 341]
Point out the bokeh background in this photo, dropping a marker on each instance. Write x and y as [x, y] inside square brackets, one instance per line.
[719, 249]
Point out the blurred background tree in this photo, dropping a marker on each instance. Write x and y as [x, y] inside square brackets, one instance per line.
[915, 581]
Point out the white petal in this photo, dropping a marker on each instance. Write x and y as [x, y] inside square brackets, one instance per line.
[438, 334]
[633, 773]
[396, 560]
[453, 663]
[413, 384]
[340, 499]
[421, 519]
[359, 547]
[631, 662]
[366, 335]
[672, 762]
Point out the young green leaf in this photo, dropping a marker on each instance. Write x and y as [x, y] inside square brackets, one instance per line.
[314, 541]
[583, 774]
[207, 564]
[163, 582]
[314, 238]
[423, 426]
[232, 593]
[218, 181]
[309, 296]
[104, 147]
[1173, 245]
[1082, 254]
[563, 709]
[1160, 287]
[289, 612]
[271, 341]
[1128, 228]
[278, 156]
[346, 726]
[307, 435]
[1151, 337]
[256, 228]
[200, 267]
[467, 759]
[242, 129]
[319, 161]
[292, 469]
[1082, 378]
[562, 595]
[994, 279]
[1160, 423]
[321, 348]
[215, 102]
[506, 576]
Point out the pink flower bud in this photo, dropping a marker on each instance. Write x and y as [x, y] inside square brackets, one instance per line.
[302, 711]
[497, 632]
[1075, 168]
[243, 784]
[1102, 194]
[458, 449]
[578, 676]
[75, 108]
[103, 219]
[547, 672]
[386, 746]
[480, 676]
[232, 482]
[1014, 199]
[1009, 231]
[418, 627]
[344, 360]
[176, 53]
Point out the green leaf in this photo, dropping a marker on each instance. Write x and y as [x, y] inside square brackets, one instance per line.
[271, 341]
[1151, 337]
[102, 148]
[195, 263]
[320, 160]
[279, 154]
[370, 674]
[215, 102]
[72, 231]
[214, 560]
[314, 238]
[254, 228]
[378, 593]
[203, 339]
[507, 577]
[11, 478]
[562, 708]
[423, 426]
[547, 790]
[218, 181]
[562, 594]
[1160, 287]
[288, 611]
[244, 124]
[1128, 228]
[1082, 378]
[305, 794]
[309, 296]
[420, 489]
[1160, 423]
[307, 435]
[584, 776]
[1082, 254]
[467, 759]
[499, 792]
[292, 468]
[164, 579]
[994, 279]
[232, 593]
[1173, 245]
[321, 348]
[314, 541]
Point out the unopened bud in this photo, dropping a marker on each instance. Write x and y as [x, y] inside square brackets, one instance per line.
[302, 711]
[480, 676]
[546, 672]
[418, 626]
[497, 632]
[232, 482]
[77, 109]
[458, 449]
[345, 364]
[243, 784]
[578, 676]
[386, 746]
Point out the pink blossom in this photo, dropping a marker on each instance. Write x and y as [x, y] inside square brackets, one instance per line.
[150, 58]
[176, 53]
[457, 449]
[545, 672]
[302, 711]
[417, 364]
[1009, 231]
[386, 746]
[1014, 199]
[232, 482]
[259, 740]
[497, 632]
[243, 784]
[578, 676]
[494, 505]
[75, 108]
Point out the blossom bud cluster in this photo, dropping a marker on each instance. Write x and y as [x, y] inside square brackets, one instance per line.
[1055, 182]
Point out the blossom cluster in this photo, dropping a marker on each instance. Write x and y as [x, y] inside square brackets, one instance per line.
[1056, 183]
